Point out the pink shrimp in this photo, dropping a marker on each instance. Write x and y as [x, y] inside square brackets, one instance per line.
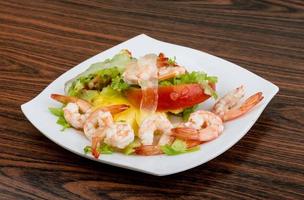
[228, 107]
[154, 123]
[99, 122]
[202, 126]
[76, 111]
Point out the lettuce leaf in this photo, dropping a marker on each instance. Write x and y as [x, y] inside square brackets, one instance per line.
[103, 149]
[178, 147]
[119, 84]
[87, 149]
[187, 112]
[172, 61]
[98, 80]
[131, 147]
[101, 74]
[88, 95]
[58, 112]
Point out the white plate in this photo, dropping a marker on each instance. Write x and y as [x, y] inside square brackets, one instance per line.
[229, 75]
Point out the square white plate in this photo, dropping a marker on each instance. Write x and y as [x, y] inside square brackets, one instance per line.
[230, 76]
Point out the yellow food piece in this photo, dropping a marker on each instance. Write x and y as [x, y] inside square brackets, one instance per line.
[108, 97]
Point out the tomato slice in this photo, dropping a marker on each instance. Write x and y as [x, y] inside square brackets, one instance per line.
[172, 97]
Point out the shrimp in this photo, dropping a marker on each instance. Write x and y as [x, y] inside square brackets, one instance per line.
[154, 123]
[228, 106]
[143, 69]
[149, 150]
[99, 123]
[120, 135]
[76, 111]
[144, 73]
[168, 68]
[202, 126]
[151, 67]
[170, 72]
[101, 118]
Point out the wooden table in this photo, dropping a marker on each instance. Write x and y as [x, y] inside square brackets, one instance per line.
[39, 40]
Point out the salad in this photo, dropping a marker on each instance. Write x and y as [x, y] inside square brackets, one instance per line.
[126, 104]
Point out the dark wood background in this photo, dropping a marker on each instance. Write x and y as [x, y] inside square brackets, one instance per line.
[39, 40]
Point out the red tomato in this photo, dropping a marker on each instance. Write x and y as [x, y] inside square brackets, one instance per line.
[172, 97]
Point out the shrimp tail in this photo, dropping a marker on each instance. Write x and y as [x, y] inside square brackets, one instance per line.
[244, 108]
[192, 143]
[186, 133]
[95, 146]
[83, 104]
[167, 76]
[64, 99]
[114, 109]
[148, 150]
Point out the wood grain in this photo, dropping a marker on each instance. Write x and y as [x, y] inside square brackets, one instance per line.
[40, 39]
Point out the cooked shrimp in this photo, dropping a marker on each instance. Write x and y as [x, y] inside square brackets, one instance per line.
[101, 118]
[99, 123]
[170, 72]
[150, 125]
[149, 150]
[143, 69]
[156, 123]
[228, 107]
[148, 68]
[163, 61]
[120, 135]
[168, 69]
[98, 136]
[76, 111]
[202, 126]
[69, 99]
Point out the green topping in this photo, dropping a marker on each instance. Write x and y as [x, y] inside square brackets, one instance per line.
[87, 149]
[119, 84]
[99, 74]
[105, 149]
[61, 120]
[56, 111]
[172, 61]
[97, 81]
[131, 147]
[178, 147]
[88, 95]
[208, 90]
[187, 112]
[193, 77]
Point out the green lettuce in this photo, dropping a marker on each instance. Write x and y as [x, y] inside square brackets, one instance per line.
[178, 147]
[119, 84]
[97, 81]
[58, 112]
[131, 147]
[103, 149]
[87, 149]
[172, 61]
[88, 95]
[187, 112]
[99, 74]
